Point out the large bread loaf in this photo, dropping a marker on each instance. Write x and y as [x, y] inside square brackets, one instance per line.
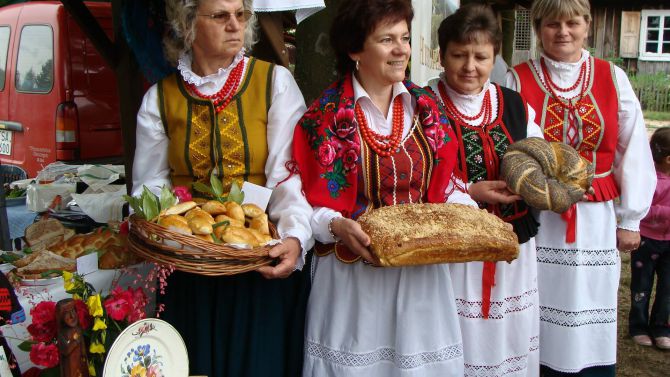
[415, 234]
[547, 175]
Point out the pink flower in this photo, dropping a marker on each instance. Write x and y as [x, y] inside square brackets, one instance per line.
[85, 319]
[119, 304]
[45, 355]
[435, 137]
[139, 303]
[350, 156]
[182, 193]
[327, 152]
[344, 123]
[154, 371]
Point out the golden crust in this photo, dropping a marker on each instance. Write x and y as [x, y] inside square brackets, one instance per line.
[414, 234]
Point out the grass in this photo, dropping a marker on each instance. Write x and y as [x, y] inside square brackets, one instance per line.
[634, 360]
[657, 115]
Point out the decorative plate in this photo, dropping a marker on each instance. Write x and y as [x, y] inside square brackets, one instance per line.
[149, 347]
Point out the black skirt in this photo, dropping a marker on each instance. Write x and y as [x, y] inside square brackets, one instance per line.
[242, 325]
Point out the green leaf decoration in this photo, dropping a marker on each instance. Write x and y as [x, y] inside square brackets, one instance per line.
[26, 345]
[150, 204]
[168, 199]
[135, 204]
[198, 186]
[217, 186]
[236, 194]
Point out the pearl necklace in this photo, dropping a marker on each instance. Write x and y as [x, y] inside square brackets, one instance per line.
[383, 145]
[222, 98]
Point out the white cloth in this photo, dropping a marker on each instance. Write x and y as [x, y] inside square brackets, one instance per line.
[303, 8]
[288, 207]
[578, 282]
[380, 322]
[512, 329]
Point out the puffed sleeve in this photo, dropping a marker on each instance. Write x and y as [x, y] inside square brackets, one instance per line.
[288, 206]
[633, 165]
[150, 165]
[511, 80]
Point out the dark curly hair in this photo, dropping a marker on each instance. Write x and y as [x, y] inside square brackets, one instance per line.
[356, 19]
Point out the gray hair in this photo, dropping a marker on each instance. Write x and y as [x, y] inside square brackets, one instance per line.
[180, 25]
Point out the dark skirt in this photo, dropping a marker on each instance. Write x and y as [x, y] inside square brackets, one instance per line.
[599, 371]
[242, 325]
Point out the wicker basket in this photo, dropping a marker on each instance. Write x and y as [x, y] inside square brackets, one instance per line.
[191, 254]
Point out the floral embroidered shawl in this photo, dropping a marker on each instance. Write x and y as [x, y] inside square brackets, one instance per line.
[326, 146]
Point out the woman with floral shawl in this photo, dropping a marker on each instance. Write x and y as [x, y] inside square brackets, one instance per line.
[374, 139]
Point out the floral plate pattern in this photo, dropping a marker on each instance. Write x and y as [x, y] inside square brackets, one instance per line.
[147, 348]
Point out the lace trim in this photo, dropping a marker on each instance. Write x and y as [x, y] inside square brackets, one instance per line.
[473, 309]
[351, 359]
[511, 365]
[576, 319]
[184, 68]
[575, 257]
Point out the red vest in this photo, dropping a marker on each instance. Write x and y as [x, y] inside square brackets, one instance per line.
[596, 115]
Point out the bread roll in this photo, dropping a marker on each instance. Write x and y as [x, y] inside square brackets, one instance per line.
[260, 237]
[205, 237]
[175, 223]
[235, 211]
[201, 223]
[231, 221]
[180, 208]
[237, 235]
[547, 175]
[415, 234]
[214, 207]
[251, 210]
[260, 223]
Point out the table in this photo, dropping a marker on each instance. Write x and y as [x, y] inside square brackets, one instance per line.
[102, 280]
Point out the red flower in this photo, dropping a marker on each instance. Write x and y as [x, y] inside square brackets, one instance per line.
[344, 123]
[45, 355]
[43, 312]
[85, 318]
[327, 152]
[182, 193]
[42, 332]
[350, 156]
[119, 304]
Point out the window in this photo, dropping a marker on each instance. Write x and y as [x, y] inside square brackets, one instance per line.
[522, 30]
[34, 64]
[4, 47]
[655, 35]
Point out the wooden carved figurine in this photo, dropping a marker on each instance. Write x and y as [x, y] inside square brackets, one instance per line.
[71, 345]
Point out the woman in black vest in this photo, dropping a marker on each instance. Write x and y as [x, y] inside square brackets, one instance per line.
[500, 324]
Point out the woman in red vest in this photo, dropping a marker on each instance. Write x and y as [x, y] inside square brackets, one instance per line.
[227, 114]
[497, 302]
[589, 104]
[374, 139]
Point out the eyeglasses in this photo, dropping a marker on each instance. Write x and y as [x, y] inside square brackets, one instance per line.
[224, 17]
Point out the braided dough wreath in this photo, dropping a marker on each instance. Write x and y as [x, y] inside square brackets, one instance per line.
[548, 175]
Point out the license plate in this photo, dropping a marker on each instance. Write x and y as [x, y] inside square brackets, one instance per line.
[5, 142]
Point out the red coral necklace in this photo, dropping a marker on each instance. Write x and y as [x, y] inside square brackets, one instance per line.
[222, 98]
[551, 86]
[485, 110]
[383, 145]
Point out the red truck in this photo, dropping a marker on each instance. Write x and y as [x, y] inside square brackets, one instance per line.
[58, 98]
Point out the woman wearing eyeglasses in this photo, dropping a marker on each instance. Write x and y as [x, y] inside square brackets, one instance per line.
[231, 115]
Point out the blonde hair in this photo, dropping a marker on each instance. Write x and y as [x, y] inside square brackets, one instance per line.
[558, 9]
[181, 16]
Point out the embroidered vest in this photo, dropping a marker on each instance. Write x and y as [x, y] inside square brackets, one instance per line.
[481, 150]
[232, 143]
[383, 181]
[596, 116]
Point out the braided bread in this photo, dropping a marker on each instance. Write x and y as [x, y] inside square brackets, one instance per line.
[547, 175]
